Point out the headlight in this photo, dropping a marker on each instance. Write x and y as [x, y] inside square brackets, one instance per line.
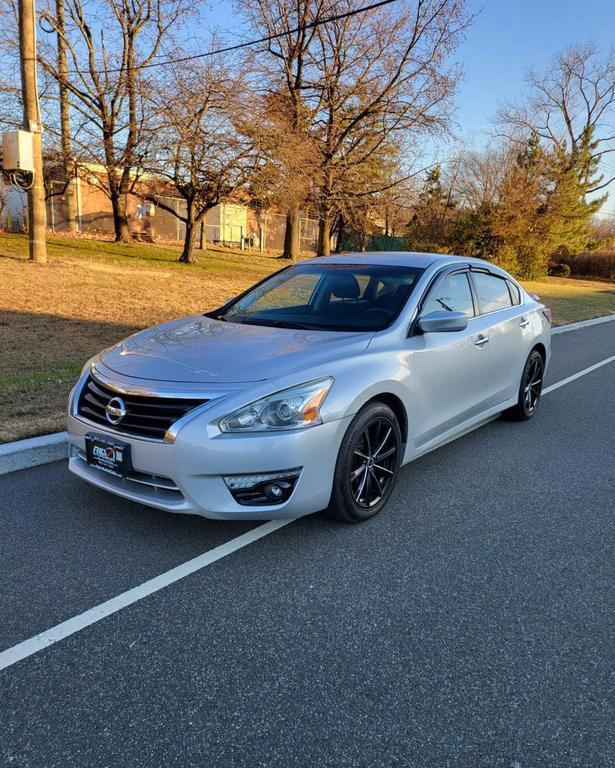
[289, 409]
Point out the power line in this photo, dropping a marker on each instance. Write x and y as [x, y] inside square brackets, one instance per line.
[247, 44]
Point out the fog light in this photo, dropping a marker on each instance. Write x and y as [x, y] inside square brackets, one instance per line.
[274, 491]
[269, 488]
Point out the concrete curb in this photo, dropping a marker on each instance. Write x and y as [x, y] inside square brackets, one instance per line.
[43, 450]
[32, 452]
[582, 324]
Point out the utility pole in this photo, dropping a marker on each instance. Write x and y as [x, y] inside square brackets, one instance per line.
[32, 123]
[67, 151]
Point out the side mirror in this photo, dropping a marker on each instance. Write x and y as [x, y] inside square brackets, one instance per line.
[442, 322]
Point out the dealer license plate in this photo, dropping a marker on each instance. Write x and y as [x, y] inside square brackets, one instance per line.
[107, 454]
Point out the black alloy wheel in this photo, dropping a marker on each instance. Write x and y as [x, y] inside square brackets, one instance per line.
[530, 388]
[367, 465]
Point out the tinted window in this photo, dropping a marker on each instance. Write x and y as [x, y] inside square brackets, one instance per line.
[514, 292]
[363, 282]
[492, 292]
[288, 293]
[336, 297]
[452, 295]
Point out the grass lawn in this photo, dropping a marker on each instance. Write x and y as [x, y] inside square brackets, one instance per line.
[572, 300]
[91, 293]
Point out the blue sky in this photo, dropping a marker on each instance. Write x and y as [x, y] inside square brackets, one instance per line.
[507, 38]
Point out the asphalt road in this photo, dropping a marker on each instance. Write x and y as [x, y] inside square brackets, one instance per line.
[471, 624]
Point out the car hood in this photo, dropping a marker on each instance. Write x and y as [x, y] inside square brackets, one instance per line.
[205, 351]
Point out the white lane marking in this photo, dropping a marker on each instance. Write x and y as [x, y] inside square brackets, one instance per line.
[50, 636]
[578, 375]
[582, 324]
[66, 628]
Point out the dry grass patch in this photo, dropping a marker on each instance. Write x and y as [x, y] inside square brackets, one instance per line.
[89, 295]
[572, 300]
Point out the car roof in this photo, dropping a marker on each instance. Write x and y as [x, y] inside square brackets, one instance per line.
[405, 259]
[394, 258]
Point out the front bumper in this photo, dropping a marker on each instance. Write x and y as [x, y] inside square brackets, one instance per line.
[187, 475]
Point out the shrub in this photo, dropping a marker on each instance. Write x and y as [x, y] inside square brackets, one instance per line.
[506, 257]
[599, 264]
[560, 270]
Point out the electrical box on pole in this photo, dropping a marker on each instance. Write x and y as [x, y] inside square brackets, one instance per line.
[17, 151]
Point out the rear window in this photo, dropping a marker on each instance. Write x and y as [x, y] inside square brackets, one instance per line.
[515, 293]
[493, 293]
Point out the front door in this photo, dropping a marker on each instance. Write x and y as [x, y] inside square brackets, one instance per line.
[449, 382]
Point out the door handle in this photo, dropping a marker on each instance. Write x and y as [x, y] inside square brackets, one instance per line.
[524, 322]
[481, 341]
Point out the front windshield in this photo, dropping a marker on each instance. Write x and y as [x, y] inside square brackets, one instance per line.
[334, 297]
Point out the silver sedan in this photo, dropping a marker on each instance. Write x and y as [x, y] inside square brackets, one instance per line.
[310, 390]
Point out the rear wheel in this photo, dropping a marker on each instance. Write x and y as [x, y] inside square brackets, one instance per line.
[367, 465]
[530, 388]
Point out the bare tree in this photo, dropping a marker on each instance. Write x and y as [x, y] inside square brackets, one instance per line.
[479, 175]
[201, 149]
[4, 198]
[395, 205]
[369, 194]
[65, 134]
[283, 65]
[10, 92]
[57, 151]
[382, 74]
[287, 176]
[569, 106]
[108, 45]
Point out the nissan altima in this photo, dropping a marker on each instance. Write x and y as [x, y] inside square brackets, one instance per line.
[310, 390]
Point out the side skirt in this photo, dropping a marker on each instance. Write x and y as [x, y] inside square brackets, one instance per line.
[463, 429]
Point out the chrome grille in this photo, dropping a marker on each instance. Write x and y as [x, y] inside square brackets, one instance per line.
[146, 416]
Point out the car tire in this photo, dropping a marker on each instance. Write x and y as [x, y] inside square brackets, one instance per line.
[367, 465]
[530, 388]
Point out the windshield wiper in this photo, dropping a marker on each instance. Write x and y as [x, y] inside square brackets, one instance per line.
[445, 305]
[271, 323]
[280, 324]
[300, 326]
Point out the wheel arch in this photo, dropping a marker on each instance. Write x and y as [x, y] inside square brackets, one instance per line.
[542, 350]
[398, 408]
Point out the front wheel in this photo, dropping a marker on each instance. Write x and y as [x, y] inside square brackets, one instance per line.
[530, 388]
[367, 465]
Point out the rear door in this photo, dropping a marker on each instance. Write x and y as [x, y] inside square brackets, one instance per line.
[450, 369]
[508, 332]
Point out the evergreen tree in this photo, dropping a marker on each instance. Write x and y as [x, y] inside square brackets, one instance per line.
[521, 225]
[430, 227]
[572, 175]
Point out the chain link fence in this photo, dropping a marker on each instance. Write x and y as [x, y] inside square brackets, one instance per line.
[275, 226]
[231, 225]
